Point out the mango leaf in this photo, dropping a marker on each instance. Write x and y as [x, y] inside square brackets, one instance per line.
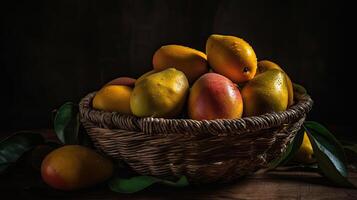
[66, 123]
[68, 127]
[14, 146]
[323, 135]
[329, 156]
[138, 183]
[290, 151]
[299, 88]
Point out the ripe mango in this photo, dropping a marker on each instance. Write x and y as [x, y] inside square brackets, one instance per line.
[73, 167]
[232, 57]
[191, 62]
[113, 98]
[144, 76]
[160, 94]
[214, 96]
[265, 65]
[122, 81]
[266, 92]
[305, 153]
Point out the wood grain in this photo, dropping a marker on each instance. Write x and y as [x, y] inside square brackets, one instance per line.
[273, 185]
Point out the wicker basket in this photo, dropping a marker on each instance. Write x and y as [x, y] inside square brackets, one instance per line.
[205, 151]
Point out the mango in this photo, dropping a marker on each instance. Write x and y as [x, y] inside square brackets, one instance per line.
[305, 153]
[73, 167]
[265, 65]
[122, 81]
[191, 62]
[214, 96]
[144, 76]
[115, 95]
[160, 94]
[266, 92]
[113, 98]
[232, 57]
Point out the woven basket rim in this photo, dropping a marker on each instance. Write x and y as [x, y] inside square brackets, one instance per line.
[150, 125]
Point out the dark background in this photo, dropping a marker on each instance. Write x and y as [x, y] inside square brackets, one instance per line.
[59, 50]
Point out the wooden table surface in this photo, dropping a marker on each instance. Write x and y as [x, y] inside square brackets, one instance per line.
[24, 182]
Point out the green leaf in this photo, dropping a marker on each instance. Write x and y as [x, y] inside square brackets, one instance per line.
[323, 135]
[328, 155]
[299, 88]
[138, 183]
[66, 123]
[14, 146]
[290, 151]
[68, 126]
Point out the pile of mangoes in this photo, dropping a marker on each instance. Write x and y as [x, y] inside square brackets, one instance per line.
[225, 83]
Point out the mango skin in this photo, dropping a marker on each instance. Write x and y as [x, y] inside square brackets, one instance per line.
[305, 153]
[214, 96]
[265, 65]
[232, 57]
[267, 92]
[122, 81]
[115, 95]
[191, 62]
[74, 167]
[161, 94]
[142, 77]
[113, 98]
